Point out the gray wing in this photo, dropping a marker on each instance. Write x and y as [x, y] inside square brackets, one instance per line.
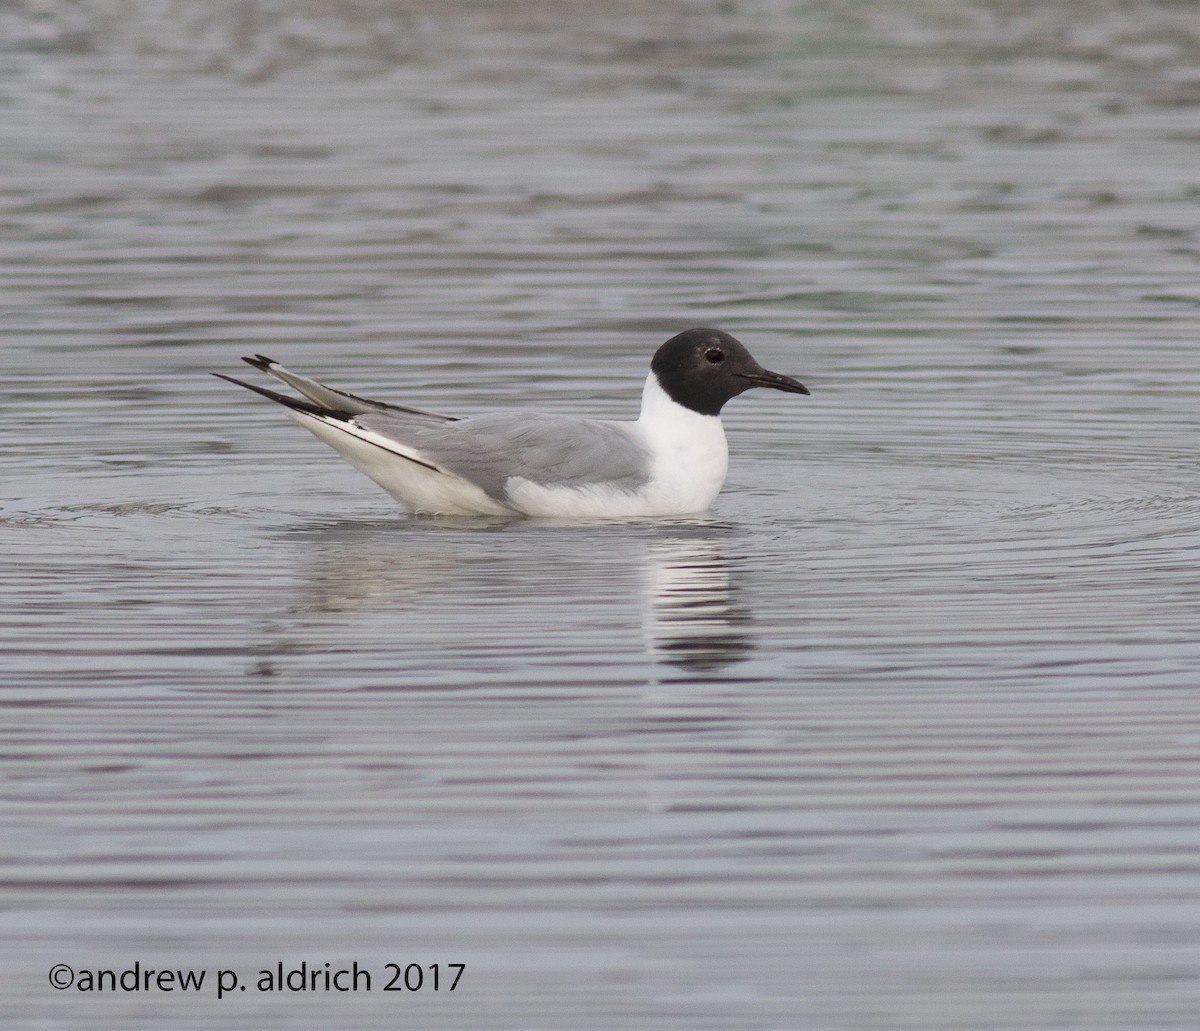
[490, 450]
[338, 400]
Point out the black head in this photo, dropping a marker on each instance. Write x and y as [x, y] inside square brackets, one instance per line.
[701, 369]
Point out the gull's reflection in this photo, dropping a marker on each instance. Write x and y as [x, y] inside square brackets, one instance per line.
[693, 618]
[533, 575]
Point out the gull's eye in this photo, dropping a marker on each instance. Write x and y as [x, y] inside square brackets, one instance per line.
[715, 355]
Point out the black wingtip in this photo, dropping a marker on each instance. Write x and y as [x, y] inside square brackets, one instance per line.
[290, 402]
[260, 362]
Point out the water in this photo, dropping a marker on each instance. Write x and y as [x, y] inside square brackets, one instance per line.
[902, 735]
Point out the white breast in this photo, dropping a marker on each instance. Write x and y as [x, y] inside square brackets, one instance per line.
[690, 455]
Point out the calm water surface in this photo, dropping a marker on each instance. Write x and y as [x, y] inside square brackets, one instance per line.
[905, 734]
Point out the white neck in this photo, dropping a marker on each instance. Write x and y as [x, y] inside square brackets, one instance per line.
[689, 452]
[658, 405]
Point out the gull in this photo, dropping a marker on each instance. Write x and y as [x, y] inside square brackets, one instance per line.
[671, 461]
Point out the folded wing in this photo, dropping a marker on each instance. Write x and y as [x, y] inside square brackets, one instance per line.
[492, 451]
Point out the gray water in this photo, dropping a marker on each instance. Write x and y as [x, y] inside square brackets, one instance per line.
[905, 734]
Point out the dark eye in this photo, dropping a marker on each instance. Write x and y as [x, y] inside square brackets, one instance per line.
[715, 355]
